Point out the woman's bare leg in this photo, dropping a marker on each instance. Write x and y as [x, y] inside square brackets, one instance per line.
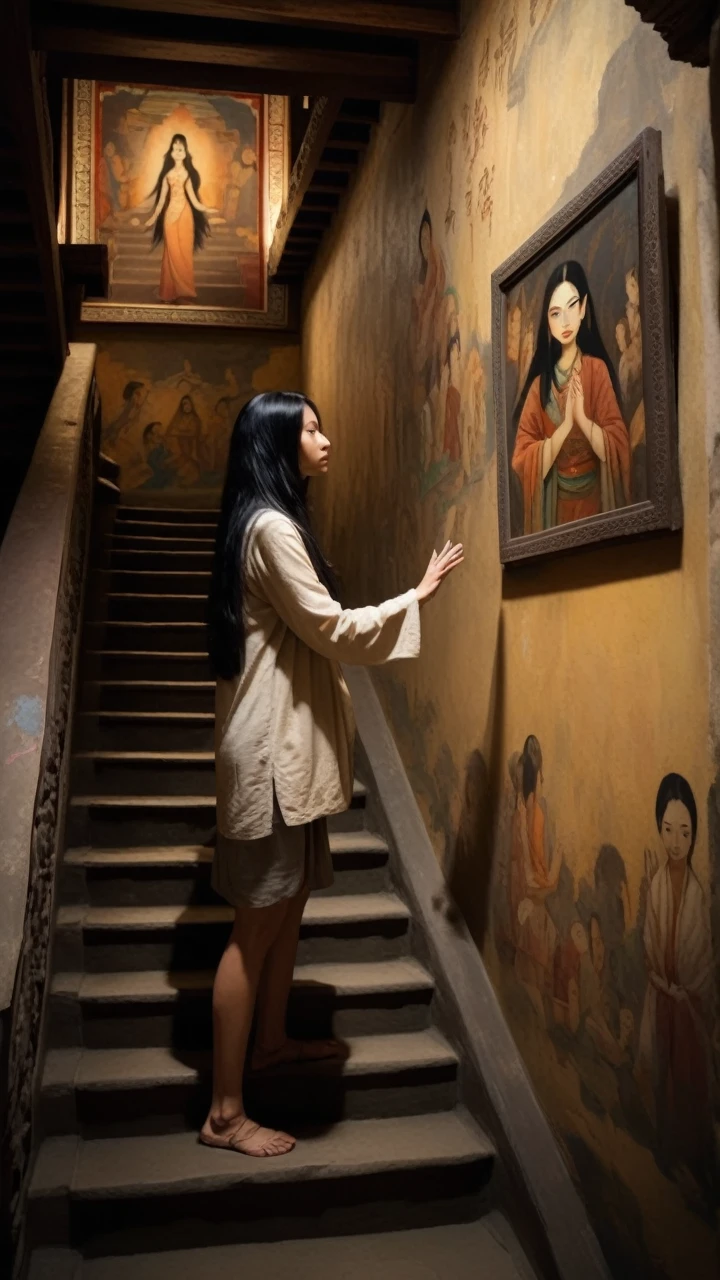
[271, 1042]
[234, 992]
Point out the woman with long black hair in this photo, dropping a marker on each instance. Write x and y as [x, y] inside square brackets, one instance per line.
[283, 734]
[179, 221]
[572, 449]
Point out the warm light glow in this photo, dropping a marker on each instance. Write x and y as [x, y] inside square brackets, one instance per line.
[211, 156]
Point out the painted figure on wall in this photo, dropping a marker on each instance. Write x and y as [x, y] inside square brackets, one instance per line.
[535, 866]
[674, 1046]
[179, 221]
[171, 168]
[572, 449]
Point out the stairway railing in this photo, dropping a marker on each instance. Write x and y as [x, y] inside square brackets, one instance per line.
[43, 565]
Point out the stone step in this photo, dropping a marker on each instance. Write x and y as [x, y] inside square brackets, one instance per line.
[151, 542]
[171, 560]
[156, 1007]
[166, 515]
[144, 730]
[143, 773]
[335, 929]
[145, 664]
[487, 1249]
[101, 1093]
[108, 821]
[147, 637]
[126, 1195]
[148, 695]
[151, 581]
[152, 529]
[173, 875]
[128, 606]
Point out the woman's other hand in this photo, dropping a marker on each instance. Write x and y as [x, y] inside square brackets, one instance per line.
[438, 569]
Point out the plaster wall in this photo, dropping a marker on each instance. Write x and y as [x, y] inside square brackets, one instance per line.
[603, 657]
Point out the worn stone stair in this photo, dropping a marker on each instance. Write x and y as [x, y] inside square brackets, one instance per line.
[384, 1141]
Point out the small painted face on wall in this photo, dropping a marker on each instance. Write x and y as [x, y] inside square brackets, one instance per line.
[566, 313]
[314, 446]
[676, 831]
[178, 151]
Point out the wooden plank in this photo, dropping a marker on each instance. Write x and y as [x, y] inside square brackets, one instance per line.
[260, 68]
[25, 103]
[437, 19]
[321, 121]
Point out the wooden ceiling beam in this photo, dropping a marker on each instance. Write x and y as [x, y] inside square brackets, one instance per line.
[435, 19]
[102, 54]
[322, 119]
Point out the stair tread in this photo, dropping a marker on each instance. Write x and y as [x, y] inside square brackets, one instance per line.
[205, 716]
[164, 539]
[150, 757]
[150, 626]
[153, 684]
[354, 978]
[170, 655]
[486, 1247]
[141, 1068]
[154, 595]
[160, 801]
[139, 512]
[334, 909]
[341, 842]
[171, 1163]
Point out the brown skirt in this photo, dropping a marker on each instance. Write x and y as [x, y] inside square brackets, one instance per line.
[258, 873]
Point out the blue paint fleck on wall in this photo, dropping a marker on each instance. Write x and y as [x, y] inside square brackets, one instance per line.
[28, 715]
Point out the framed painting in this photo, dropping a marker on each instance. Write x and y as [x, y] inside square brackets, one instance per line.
[583, 369]
[184, 187]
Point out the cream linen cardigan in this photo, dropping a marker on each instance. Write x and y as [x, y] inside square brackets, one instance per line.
[287, 719]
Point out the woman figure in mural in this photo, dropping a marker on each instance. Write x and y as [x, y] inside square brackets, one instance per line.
[283, 735]
[430, 336]
[674, 1048]
[157, 458]
[134, 396]
[241, 192]
[572, 450]
[184, 432]
[536, 868]
[179, 221]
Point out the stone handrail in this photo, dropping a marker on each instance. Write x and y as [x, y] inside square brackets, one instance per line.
[42, 573]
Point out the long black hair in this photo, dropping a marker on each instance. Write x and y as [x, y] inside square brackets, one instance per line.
[548, 349]
[263, 472]
[200, 222]
[675, 787]
[531, 765]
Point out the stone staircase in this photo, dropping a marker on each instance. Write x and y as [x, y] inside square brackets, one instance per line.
[386, 1153]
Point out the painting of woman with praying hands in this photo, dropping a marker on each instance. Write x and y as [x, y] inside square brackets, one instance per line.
[586, 430]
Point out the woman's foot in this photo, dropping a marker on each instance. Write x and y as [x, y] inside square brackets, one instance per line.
[298, 1051]
[246, 1137]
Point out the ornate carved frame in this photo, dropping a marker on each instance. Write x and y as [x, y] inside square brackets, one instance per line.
[82, 222]
[641, 162]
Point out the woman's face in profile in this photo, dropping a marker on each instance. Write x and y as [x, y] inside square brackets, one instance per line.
[566, 313]
[314, 446]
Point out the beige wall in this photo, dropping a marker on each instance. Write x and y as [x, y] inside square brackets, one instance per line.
[191, 385]
[604, 657]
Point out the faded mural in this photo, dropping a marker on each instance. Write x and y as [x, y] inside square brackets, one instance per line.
[168, 407]
[555, 727]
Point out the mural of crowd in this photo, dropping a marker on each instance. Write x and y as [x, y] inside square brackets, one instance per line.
[623, 989]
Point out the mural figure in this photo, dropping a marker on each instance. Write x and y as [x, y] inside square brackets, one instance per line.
[674, 1047]
[535, 868]
[112, 182]
[134, 396]
[241, 193]
[572, 449]
[428, 330]
[184, 433]
[158, 459]
[179, 221]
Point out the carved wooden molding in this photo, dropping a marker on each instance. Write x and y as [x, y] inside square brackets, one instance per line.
[322, 119]
[685, 25]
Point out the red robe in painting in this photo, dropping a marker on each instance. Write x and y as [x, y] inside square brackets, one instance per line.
[578, 484]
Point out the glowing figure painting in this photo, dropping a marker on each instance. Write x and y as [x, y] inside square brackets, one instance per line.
[178, 196]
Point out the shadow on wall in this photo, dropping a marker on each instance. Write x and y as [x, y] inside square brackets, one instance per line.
[468, 863]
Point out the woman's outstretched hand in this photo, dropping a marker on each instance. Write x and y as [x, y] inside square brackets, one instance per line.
[438, 569]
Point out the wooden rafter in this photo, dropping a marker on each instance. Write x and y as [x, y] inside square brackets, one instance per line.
[322, 119]
[436, 19]
[86, 53]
